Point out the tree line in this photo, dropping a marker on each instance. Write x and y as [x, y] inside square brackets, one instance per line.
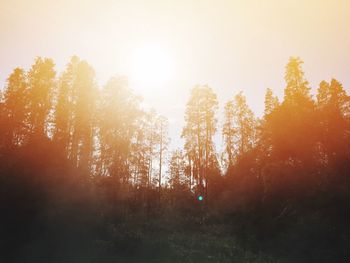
[89, 162]
[105, 132]
[102, 131]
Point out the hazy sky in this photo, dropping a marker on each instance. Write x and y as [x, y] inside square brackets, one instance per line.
[229, 45]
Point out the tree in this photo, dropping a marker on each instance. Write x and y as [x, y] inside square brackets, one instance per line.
[177, 169]
[239, 128]
[288, 145]
[41, 82]
[64, 108]
[292, 126]
[163, 141]
[192, 159]
[333, 109]
[152, 138]
[75, 113]
[263, 135]
[271, 102]
[228, 133]
[117, 124]
[140, 152]
[297, 91]
[199, 130]
[14, 109]
[84, 109]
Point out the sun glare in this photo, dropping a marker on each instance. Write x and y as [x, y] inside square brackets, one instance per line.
[151, 67]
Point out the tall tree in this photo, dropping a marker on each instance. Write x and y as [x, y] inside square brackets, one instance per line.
[75, 112]
[199, 130]
[85, 95]
[296, 112]
[297, 91]
[14, 109]
[41, 81]
[64, 107]
[152, 135]
[271, 102]
[117, 122]
[140, 152]
[239, 128]
[263, 134]
[162, 141]
[333, 108]
[228, 133]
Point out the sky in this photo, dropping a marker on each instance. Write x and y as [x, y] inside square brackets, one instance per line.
[230, 45]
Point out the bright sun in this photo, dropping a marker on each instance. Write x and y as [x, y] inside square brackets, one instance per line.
[151, 67]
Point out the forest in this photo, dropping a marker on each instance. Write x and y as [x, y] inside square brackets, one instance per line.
[87, 174]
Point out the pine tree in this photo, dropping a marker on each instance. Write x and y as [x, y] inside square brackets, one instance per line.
[84, 96]
[297, 91]
[296, 112]
[64, 108]
[162, 143]
[14, 109]
[199, 130]
[333, 108]
[271, 102]
[41, 82]
[177, 166]
[117, 121]
[228, 132]
[239, 130]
